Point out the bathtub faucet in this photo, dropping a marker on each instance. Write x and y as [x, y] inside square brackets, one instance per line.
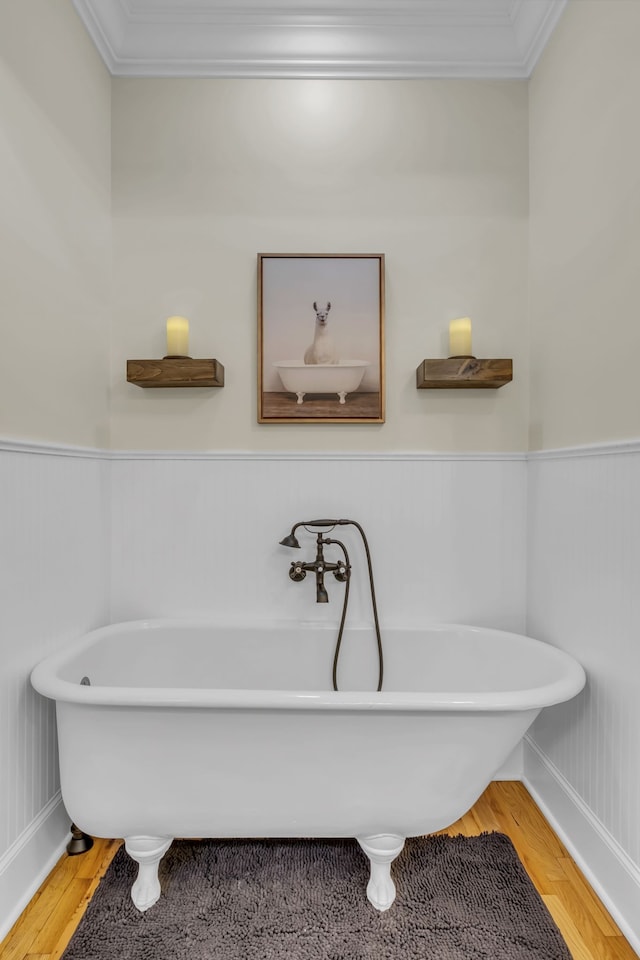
[341, 571]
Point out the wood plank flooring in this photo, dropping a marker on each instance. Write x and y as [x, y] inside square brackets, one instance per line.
[46, 926]
[284, 407]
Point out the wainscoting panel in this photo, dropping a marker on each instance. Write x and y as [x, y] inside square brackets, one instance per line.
[201, 536]
[90, 536]
[53, 586]
[584, 596]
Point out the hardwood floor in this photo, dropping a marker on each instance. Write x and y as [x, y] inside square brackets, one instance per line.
[284, 406]
[46, 926]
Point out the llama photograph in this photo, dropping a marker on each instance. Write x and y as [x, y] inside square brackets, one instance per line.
[320, 338]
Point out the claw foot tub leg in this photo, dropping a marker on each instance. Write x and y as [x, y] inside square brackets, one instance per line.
[147, 852]
[381, 850]
[300, 395]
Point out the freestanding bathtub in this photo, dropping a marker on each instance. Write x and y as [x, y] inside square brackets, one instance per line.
[341, 378]
[192, 729]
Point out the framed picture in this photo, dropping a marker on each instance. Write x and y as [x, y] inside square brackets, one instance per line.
[320, 338]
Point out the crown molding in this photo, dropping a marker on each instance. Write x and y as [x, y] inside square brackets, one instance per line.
[107, 27]
[532, 30]
[320, 38]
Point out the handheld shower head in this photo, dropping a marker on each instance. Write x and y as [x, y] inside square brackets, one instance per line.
[291, 541]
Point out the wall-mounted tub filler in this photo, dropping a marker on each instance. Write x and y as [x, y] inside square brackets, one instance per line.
[341, 571]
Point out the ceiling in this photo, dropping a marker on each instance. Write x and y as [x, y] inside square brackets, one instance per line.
[320, 38]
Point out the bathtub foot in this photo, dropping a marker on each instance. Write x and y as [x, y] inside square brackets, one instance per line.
[300, 395]
[343, 396]
[147, 852]
[381, 850]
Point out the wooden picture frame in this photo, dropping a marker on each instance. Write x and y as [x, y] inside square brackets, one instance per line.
[321, 338]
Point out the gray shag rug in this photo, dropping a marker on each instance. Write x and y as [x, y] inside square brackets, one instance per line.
[459, 898]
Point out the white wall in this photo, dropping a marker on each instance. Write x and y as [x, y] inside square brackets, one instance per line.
[435, 175]
[208, 173]
[55, 253]
[200, 536]
[585, 209]
[55, 281]
[584, 516]
[54, 515]
[584, 570]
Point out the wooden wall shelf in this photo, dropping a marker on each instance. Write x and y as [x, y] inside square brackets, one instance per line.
[175, 372]
[463, 372]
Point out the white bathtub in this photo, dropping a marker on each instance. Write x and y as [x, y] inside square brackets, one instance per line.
[341, 378]
[189, 729]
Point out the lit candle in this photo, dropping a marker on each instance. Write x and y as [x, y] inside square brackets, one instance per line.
[177, 337]
[460, 337]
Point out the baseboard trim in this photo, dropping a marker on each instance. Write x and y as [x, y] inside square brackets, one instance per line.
[615, 878]
[29, 860]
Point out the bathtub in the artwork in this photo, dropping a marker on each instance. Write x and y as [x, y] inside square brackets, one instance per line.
[189, 729]
[339, 378]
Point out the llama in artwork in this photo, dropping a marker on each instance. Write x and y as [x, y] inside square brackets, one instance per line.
[322, 350]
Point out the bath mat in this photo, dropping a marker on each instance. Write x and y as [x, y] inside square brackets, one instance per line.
[459, 898]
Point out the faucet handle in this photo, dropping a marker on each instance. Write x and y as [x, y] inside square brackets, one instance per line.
[342, 572]
[297, 571]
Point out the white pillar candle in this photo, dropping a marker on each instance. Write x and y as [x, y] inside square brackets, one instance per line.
[460, 337]
[177, 337]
